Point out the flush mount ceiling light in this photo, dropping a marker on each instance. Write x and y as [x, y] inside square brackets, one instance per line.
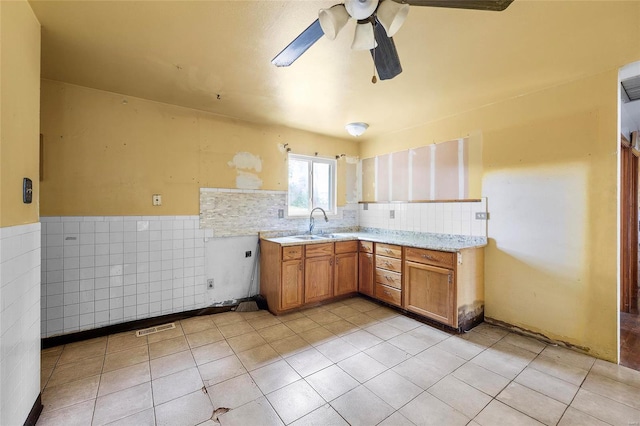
[378, 21]
[356, 129]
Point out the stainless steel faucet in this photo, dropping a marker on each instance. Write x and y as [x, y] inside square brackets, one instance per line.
[312, 220]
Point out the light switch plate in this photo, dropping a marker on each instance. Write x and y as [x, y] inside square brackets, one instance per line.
[482, 215]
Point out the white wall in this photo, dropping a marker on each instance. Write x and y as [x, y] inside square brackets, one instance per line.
[19, 321]
[629, 118]
[230, 269]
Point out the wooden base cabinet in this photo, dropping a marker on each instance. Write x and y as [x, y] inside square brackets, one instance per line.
[318, 279]
[446, 287]
[430, 292]
[345, 276]
[281, 276]
[365, 268]
[294, 276]
[292, 295]
[318, 272]
[388, 274]
[443, 286]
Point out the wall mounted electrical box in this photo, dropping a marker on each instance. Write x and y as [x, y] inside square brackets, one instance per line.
[27, 191]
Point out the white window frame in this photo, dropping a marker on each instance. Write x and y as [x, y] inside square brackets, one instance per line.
[333, 187]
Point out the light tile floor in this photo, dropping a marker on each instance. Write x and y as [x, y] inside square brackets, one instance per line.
[350, 362]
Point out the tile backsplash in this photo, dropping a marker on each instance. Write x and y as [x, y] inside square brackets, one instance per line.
[237, 212]
[98, 271]
[457, 217]
[232, 212]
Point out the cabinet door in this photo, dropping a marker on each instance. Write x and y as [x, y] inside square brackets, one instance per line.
[430, 291]
[318, 278]
[365, 272]
[291, 294]
[345, 279]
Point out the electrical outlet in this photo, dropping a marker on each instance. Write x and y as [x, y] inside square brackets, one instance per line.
[482, 215]
[392, 214]
[210, 283]
[156, 199]
[247, 253]
[280, 213]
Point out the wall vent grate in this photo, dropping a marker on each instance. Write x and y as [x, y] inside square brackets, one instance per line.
[156, 329]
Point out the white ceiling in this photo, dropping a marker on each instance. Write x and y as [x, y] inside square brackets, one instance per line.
[187, 52]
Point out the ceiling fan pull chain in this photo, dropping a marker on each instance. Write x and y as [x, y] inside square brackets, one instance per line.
[374, 79]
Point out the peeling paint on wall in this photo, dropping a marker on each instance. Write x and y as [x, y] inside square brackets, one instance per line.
[246, 180]
[246, 160]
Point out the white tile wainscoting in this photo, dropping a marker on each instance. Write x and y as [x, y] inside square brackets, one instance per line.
[98, 271]
[457, 217]
[19, 325]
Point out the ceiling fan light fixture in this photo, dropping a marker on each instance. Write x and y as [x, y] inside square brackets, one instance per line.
[364, 38]
[332, 20]
[392, 15]
[360, 9]
[356, 129]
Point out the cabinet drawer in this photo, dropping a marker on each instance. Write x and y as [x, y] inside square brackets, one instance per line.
[388, 263]
[389, 250]
[366, 246]
[291, 252]
[388, 294]
[315, 250]
[431, 257]
[346, 246]
[392, 279]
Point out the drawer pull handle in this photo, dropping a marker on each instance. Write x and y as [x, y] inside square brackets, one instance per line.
[388, 251]
[387, 292]
[388, 278]
[388, 264]
[426, 256]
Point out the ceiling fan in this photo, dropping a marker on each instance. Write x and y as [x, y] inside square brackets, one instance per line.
[378, 21]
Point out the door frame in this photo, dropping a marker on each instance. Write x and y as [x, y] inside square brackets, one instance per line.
[629, 223]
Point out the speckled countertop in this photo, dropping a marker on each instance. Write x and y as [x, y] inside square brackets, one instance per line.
[441, 242]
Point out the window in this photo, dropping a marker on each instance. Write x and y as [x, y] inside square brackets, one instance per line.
[312, 183]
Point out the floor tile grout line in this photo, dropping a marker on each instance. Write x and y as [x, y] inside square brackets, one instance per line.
[362, 327]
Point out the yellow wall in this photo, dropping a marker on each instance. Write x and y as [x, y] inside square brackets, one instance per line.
[550, 177]
[19, 111]
[106, 157]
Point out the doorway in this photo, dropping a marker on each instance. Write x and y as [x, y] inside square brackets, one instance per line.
[629, 318]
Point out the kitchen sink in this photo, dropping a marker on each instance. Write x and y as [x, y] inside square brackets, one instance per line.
[309, 237]
[315, 237]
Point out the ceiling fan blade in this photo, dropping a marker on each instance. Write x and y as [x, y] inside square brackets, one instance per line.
[297, 47]
[492, 5]
[385, 55]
